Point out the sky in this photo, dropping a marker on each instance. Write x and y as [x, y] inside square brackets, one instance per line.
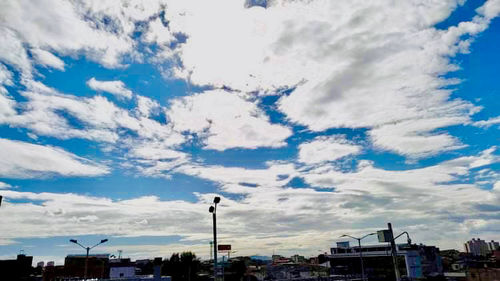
[310, 119]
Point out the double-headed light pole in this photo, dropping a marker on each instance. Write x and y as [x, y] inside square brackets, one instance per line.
[360, 251]
[213, 210]
[88, 250]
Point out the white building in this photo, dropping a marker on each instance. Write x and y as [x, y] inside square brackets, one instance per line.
[121, 268]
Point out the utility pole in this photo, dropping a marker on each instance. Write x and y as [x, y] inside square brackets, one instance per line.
[213, 210]
[215, 244]
[363, 277]
[394, 253]
[88, 250]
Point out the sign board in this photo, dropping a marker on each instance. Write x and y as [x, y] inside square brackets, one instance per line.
[384, 235]
[344, 244]
[223, 248]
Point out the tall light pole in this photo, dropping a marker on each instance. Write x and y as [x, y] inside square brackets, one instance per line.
[88, 250]
[360, 251]
[213, 210]
[394, 249]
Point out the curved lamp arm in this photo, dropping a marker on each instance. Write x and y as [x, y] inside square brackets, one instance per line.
[407, 236]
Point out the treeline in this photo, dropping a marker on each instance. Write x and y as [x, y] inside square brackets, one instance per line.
[187, 267]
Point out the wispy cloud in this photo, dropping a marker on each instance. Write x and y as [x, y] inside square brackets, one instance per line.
[27, 160]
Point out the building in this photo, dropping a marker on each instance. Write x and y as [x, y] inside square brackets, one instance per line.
[18, 269]
[294, 271]
[121, 268]
[414, 261]
[493, 246]
[98, 266]
[298, 259]
[477, 247]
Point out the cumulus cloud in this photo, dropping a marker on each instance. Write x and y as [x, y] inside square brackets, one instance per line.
[147, 106]
[48, 112]
[225, 120]
[378, 66]
[101, 119]
[27, 160]
[158, 33]
[60, 26]
[323, 149]
[12, 51]
[116, 88]
[344, 72]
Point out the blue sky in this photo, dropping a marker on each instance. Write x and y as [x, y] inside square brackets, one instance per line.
[311, 119]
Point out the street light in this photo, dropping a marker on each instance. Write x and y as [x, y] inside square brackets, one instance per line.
[360, 251]
[213, 210]
[88, 250]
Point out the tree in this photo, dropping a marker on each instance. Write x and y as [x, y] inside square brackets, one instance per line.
[190, 266]
[183, 267]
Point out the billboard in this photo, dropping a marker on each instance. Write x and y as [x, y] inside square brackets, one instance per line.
[223, 248]
[384, 235]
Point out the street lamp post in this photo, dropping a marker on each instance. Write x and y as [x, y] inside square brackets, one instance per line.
[360, 252]
[213, 210]
[87, 256]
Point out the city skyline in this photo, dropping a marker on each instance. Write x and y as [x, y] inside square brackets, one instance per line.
[310, 119]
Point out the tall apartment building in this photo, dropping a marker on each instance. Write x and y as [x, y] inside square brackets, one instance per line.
[477, 247]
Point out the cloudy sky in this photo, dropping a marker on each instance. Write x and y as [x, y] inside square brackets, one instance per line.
[311, 119]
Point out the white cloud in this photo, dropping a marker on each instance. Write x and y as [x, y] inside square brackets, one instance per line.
[116, 88]
[241, 180]
[147, 106]
[355, 64]
[362, 201]
[158, 33]
[225, 120]
[60, 27]
[26, 160]
[101, 120]
[4, 185]
[7, 104]
[414, 138]
[324, 149]
[47, 59]
[12, 51]
[487, 123]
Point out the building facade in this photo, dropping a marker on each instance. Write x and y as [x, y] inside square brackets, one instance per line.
[493, 246]
[98, 266]
[414, 261]
[121, 268]
[477, 247]
[18, 269]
